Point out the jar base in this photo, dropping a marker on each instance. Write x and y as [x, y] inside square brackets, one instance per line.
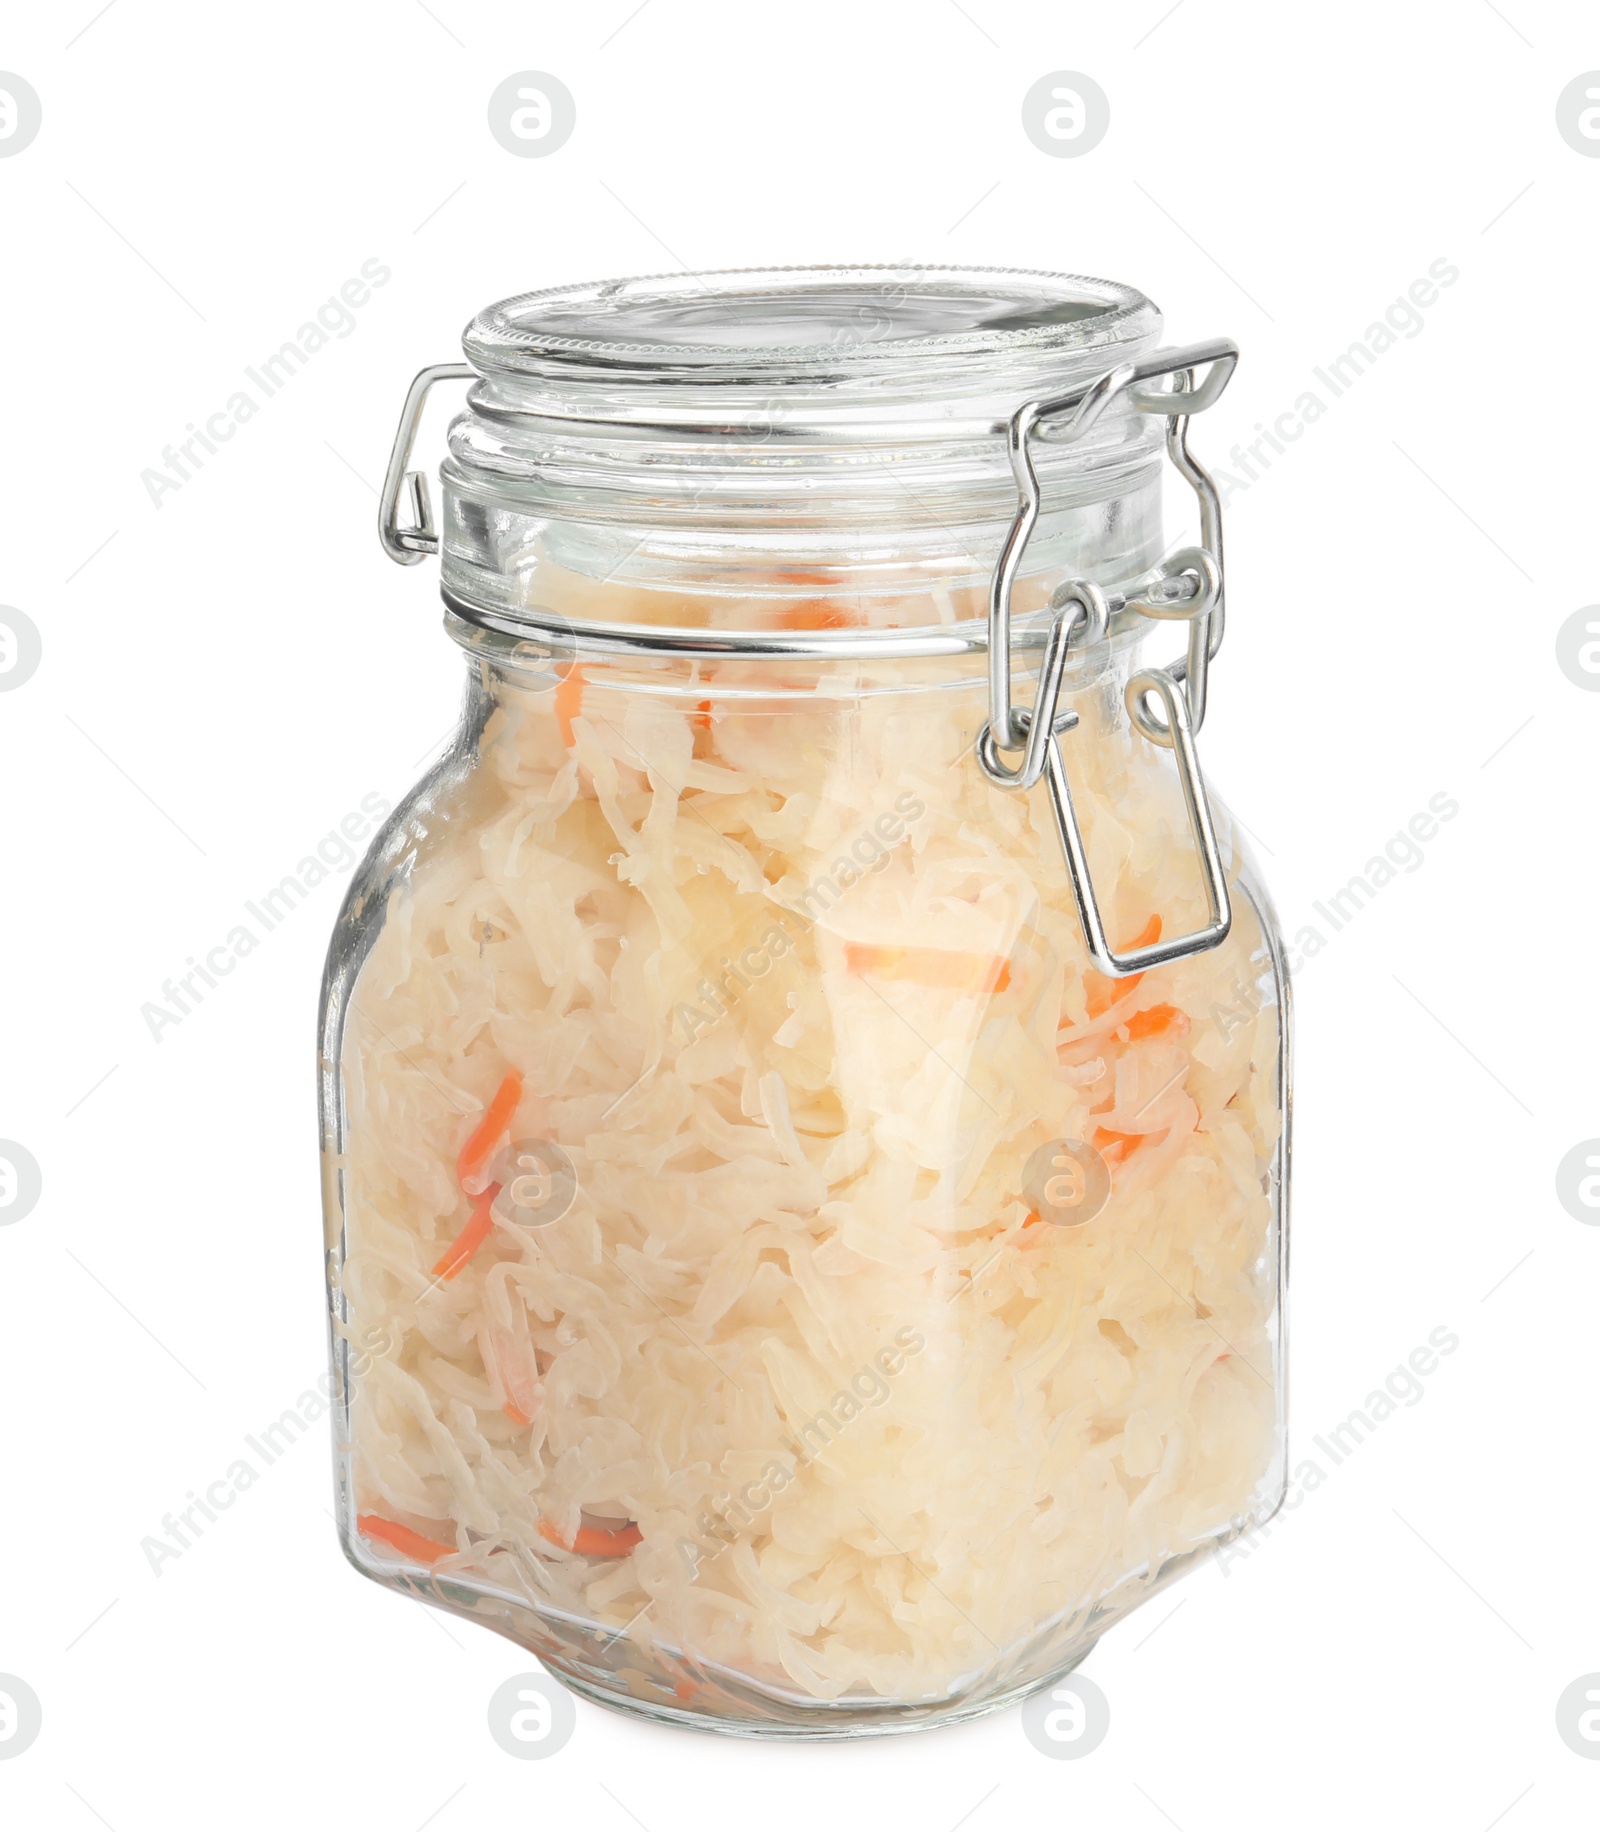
[667, 1686]
[854, 1720]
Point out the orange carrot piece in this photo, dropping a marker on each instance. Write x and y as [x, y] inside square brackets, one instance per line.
[488, 1131]
[569, 701]
[701, 716]
[471, 1237]
[516, 1416]
[1157, 1019]
[938, 967]
[1103, 993]
[607, 1542]
[1115, 1146]
[594, 1542]
[813, 616]
[414, 1545]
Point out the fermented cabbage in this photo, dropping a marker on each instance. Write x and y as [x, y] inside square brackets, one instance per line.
[805, 1384]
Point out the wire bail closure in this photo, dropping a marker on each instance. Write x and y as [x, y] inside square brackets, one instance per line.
[406, 544]
[1081, 615]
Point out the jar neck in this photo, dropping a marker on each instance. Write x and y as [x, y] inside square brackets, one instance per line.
[809, 573]
[528, 675]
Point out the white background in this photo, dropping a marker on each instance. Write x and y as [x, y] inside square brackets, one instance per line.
[206, 176]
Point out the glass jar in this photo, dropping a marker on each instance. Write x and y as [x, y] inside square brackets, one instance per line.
[805, 1076]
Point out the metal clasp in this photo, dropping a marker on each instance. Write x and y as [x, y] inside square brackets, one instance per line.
[1084, 611]
[1139, 960]
[405, 545]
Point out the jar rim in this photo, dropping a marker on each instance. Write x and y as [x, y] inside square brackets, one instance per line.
[814, 321]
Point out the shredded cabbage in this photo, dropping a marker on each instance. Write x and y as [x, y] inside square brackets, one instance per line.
[800, 995]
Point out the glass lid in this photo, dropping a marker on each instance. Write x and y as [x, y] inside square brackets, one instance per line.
[743, 318]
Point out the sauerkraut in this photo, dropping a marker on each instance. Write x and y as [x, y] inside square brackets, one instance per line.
[802, 1389]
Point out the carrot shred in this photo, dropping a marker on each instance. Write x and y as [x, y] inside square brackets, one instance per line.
[414, 1545]
[1102, 993]
[812, 616]
[471, 1237]
[569, 701]
[701, 716]
[1033, 1216]
[938, 967]
[488, 1131]
[515, 1414]
[594, 1542]
[1115, 1146]
[1155, 1020]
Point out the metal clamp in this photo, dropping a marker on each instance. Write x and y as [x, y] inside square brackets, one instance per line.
[1181, 687]
[1205, 633]
[1082, 611]
[405, 545]
[1156, 954]
[1219, 358]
